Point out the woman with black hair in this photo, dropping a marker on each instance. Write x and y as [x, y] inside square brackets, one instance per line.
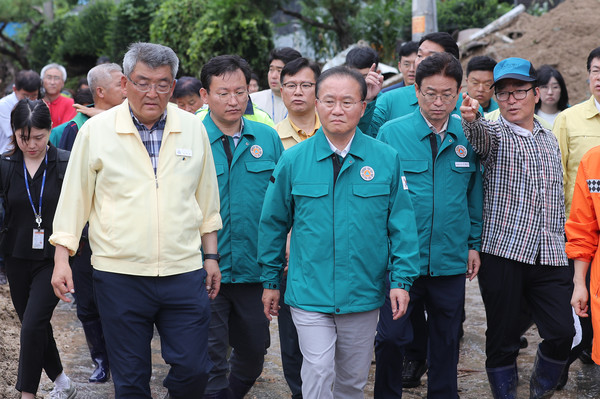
[30, 181]
[554, 97]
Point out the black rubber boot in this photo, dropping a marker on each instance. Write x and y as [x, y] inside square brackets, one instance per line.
[238, 388]
[95, 340]
[545, 376]
[503, 381]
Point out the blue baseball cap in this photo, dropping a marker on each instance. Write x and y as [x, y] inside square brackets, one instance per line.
[514, 68]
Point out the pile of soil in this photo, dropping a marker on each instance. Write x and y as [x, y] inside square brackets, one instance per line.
[562, 38]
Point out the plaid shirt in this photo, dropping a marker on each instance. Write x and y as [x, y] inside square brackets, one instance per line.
[151, 137]
[523, 206]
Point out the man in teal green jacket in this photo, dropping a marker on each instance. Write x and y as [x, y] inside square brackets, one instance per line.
[444, 179]
[346, 197]
[245, 154]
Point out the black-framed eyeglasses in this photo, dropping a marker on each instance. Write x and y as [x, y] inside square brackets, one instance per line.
[517, 94]
[431, 97]
[162, 87]
[304, 86]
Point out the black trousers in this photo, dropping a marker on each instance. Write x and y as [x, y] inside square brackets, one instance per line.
[34, 301]
[505, 284]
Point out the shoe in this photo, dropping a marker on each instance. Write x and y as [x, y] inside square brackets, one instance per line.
[564, 377]
[586, 356]
[523, 343]
[69, 393]
[503, 381]
[545, 377]
[95, 340]
[412, 372]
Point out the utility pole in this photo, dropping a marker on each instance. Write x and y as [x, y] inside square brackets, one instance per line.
[424, 18]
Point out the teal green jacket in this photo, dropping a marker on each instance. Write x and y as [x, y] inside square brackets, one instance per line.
[343, 235]
[57, 132]
[447, 198]
[242, 190]
[395, 104]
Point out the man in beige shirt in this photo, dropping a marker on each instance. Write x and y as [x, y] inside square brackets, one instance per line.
[298, 79]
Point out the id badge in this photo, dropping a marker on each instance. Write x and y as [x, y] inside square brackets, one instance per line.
[38, 239]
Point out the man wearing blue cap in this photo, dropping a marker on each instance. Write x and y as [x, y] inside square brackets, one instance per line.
[523, 248]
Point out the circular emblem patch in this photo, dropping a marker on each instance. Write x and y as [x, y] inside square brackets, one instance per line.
[256, 151]
[461, 151]
[367, 173]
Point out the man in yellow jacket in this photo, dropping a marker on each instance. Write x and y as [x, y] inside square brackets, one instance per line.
[148, 217]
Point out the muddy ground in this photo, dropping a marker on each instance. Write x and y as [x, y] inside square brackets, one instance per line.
[584, 380]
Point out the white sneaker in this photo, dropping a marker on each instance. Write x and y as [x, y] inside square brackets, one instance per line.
[69, 393]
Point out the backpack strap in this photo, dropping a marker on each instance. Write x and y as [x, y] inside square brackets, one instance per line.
[62, 159]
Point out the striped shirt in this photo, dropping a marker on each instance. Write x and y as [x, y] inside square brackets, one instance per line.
[523, 206]
[151, 138]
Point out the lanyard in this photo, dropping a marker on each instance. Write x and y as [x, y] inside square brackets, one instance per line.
[38, 215]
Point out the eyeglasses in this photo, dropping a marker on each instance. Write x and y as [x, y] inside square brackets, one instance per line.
[161, 87]
[239, 95]
[517, 94]
[594, 72]
[431, 97]
[346, 105]
[304, 86]
[51, 78]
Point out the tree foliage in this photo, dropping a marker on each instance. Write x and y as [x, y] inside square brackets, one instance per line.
[172, 26]
[456, 15]
[230, 27]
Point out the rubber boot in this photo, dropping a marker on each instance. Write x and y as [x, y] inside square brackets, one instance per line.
[503, 381]
[238, 388]
[222, 394]
[545, 376]
[95, 340]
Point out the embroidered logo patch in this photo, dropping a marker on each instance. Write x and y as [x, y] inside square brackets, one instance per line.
[594, 185]
[461, 151]
[367, 173]
[256, 151]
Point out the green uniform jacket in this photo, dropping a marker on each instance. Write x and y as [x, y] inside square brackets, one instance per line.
[242, 190]
[447, 199]
[344, 234]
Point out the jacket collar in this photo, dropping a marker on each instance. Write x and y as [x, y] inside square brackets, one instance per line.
[125, 125]
[214, 133]
[357, 150]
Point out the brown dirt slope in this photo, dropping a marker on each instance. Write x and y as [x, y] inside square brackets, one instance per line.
[562, 38]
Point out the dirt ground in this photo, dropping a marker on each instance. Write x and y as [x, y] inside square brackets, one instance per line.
[584, 380]
[562, 38]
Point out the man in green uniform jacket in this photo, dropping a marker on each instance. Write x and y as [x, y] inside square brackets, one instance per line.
[346, 197]
[444, 179]
[245, 154]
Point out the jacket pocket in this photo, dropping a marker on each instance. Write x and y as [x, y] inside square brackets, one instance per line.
[260, 166]
[220, 169]
[310, 190]
[415, 166]
[370, 190]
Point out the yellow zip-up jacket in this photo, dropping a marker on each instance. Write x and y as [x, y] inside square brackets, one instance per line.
[140, 223]
[577, 130]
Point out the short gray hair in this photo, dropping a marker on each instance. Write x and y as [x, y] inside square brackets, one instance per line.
[100, 75]
[151, 54]
[61, 68]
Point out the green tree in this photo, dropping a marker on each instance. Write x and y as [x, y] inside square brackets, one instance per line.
[172, 26]
[131, 23]
[230, 27]
[456, 15]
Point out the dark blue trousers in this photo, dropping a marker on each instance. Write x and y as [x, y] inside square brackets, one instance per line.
[130, 307]
[84, 287]
[444, 299]
[291, 357]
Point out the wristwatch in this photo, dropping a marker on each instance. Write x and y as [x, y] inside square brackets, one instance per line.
[216, 256]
